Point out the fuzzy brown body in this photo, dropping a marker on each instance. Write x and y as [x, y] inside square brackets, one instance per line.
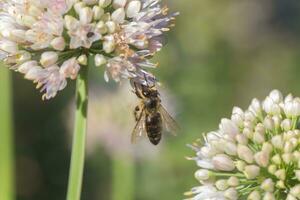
[153, 121]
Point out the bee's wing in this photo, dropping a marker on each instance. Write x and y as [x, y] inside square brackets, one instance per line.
[139, 129]
[170, 123]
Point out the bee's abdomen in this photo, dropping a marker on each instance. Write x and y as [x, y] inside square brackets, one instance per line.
[154, 127]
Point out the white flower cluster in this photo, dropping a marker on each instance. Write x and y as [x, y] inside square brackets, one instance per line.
[50, 40]
[255, 155]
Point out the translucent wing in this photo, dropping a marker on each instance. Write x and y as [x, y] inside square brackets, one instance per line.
[139, 129]
[170, 124]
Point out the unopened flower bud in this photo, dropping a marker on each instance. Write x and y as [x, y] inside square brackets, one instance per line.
[133, 8]
[8, 46]
[100, 60]
[268, 185]
[287, 158]
[240, 165]
[269, 123]
[286, 124]
[277, 121]
[295, 191]
[291, 197]
[119, 3]
[277, 141]
[118, 15]
[104, 3]
[109, 44]
[272, 169]
[245, 153]
[262, 158]
[241, 139]
[288, 147]
[237, 119]
[231, 194]
[101, 27]
[292, 108]
[83, 60]
[251, 171]
[256, 107]
[269, 196]
[229, 128]
[276, 96]
[258, 137]
[78, 6]
[221, 184]
[111, 26]
[223, 162]
[70, 22]
[255, 195]
[248, 132]
[249, 124]
[86, 15]
[267, 148]
[249, 116]
[16, 35]
[296, 156]
[233, 181]
[276, 159]
[58, 43]
[49, 58]
[280, 184]
[202, 174]
[280, 174]
[97, 12]
[230, 148]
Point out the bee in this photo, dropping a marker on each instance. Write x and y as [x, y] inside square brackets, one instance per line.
[151, 116]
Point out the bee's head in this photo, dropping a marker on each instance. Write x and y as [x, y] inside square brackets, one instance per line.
[149, 92]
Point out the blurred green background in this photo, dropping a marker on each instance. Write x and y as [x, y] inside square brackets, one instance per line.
[221, 54]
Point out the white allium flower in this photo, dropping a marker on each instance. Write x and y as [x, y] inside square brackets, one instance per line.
[255, 155]
[49, 40]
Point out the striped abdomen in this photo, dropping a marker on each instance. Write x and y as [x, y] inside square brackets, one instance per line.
[154, 127]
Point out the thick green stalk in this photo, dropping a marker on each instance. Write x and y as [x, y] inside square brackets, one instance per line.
[79, 137]
[123, 178]
[6, 137]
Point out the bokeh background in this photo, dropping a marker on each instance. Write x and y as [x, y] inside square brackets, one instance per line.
[221, 54]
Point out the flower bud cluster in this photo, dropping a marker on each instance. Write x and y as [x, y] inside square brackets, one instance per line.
[255, 155]
[50, 40]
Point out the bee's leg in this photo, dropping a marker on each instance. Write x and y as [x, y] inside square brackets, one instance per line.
[137, 91]
[137, 112]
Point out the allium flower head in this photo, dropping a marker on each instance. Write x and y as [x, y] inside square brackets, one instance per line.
[254, 155]
[49, 40]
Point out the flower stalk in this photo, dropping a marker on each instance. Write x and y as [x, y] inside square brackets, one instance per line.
[6, 137]
[79, 138]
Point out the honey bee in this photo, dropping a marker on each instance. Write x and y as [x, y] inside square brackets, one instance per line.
[151, 116]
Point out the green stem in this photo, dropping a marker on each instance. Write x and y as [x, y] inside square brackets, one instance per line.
[6, 137]
[123, 178]
[228, 174]
[79, 138]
